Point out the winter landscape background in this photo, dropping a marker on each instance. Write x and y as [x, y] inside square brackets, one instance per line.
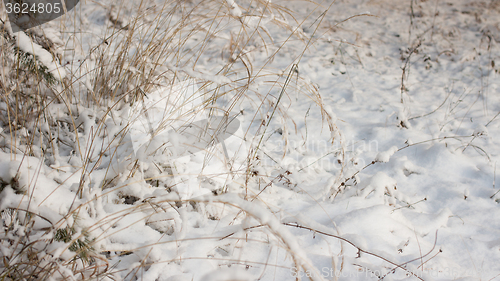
[252, 140]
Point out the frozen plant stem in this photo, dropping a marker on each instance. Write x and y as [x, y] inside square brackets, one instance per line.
[343, 183]
[360, 250]
[285, 85]
[406, 68]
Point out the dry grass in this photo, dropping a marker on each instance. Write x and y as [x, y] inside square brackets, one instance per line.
[69, 125]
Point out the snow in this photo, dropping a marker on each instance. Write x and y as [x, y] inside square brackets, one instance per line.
[228, 274]
[27, 45]
[385, 156]
[234, 9]
[377, 161]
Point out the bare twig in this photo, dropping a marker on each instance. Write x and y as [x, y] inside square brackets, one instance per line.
[360, 250]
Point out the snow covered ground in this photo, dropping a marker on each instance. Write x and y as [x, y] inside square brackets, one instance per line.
[366, 148]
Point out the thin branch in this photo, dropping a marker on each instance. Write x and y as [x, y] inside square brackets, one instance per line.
[360, 250]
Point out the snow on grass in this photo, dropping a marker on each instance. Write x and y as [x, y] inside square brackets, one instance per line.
[24, 43]
[373, 158]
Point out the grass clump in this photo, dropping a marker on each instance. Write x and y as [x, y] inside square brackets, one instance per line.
[77, 128]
